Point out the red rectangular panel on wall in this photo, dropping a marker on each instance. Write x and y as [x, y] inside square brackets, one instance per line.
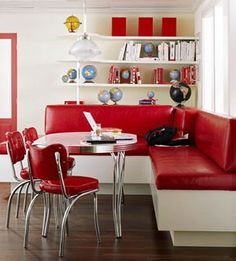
[118, 26]
[169, 26]
[145, 26]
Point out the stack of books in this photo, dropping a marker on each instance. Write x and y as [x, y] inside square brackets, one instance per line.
[147, 101]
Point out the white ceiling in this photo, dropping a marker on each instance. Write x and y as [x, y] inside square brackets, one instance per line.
[188, 6]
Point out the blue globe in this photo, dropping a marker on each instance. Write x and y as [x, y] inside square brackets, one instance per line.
[150, 94]
[125, 74]
[72, 74]
[104, 96]
[89, 72]
[116, 94]
[148, 48]
[174, 75]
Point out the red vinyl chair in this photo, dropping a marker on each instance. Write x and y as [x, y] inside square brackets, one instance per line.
[31, 134]
[49, 165]
[16, 151]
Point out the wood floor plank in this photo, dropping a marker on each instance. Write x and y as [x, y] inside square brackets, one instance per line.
[141, 240]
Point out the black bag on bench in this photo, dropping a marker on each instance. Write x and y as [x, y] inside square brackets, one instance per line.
[164, 136]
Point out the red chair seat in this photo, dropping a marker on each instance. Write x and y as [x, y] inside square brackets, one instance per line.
[24, 173]
[74, 185]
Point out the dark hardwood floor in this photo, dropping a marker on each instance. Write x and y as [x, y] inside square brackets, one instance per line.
[140, 242]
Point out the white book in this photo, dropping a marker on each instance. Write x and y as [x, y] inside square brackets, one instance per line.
[183, 51]
[129, 51]
[177, 51]
[161, 51]
[122, 52]
[138, 47]
[166, 51]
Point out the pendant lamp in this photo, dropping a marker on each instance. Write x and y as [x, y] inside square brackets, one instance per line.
[84, 48]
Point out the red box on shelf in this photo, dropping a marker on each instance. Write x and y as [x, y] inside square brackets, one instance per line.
[118, 26]
[145, 26]
[169, 26]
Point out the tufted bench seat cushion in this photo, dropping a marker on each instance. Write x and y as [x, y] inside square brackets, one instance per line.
[188, 168]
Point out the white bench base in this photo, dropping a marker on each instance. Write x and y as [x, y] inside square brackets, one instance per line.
[203, 239]
[196, 217]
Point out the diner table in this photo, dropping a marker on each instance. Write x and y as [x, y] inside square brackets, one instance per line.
[77, 141]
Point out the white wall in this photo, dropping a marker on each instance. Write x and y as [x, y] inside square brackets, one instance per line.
[231, 16]
[40, 48]
[232, 56]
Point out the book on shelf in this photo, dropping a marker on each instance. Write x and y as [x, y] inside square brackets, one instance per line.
[114, 75]
[189, 74]
[147, 101]
[118, 26]
[172, 51]
[168, 26]
[133, 74]
[158, 76]
[145, 26]
[130, 51]
[138, 76]
[163, 51]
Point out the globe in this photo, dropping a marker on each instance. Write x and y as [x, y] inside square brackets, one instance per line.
[104, 96]
[72, 23]
[180, 92]
[148, 49]
[174, 75]
[72, 75]
[150, 94]
[89, 72]
[125, 74]
[116, 94]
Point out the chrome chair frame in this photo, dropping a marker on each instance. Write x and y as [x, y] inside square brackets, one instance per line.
[47, 207]
[18, 188]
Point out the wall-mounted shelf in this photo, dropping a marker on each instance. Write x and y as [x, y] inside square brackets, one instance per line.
[144, 61]
[113, 55]
[123, 85]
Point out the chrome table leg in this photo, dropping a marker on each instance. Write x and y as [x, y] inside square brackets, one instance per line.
[118, 180]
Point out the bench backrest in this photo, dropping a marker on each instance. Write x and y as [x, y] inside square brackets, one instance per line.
[216, 136]
[137, 119]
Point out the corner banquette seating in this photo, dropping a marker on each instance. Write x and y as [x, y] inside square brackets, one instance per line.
[193, 187]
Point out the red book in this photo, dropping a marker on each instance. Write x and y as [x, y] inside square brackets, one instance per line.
[159, 76]
[168, 26]
[118, 26]
[145, 26]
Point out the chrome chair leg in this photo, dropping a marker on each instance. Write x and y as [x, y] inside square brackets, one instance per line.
[26, 197]
[10, 201]
[64, 221]
[47, 214]
[18, 201]
[27, 220]
[96, 223]
[56, 210]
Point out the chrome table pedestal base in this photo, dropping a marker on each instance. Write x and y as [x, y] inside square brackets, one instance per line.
[118, 180]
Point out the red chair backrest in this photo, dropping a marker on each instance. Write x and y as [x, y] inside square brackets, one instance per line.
[30, 135]
[43, 164]
[16, 146]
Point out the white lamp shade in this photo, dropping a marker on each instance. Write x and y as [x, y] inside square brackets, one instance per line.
[84, 49]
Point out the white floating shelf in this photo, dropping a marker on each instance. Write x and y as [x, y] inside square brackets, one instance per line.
[132, 38]
[145, 61]
[122, 85]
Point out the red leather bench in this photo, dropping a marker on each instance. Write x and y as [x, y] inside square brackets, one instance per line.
[193, 188]
[209, 164]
